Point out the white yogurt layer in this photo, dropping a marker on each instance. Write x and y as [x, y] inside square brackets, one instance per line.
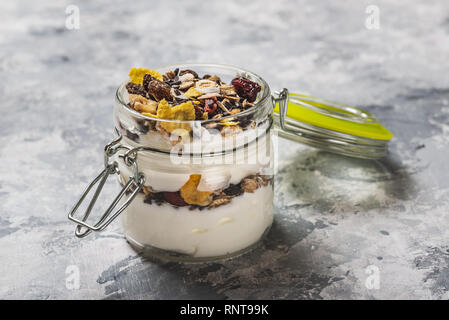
[206, 233]
[164, 173]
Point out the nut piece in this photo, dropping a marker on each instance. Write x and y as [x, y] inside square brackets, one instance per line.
[227, 90]
[150, 107]
[186, 85]
[169, 75]
[249, 185]
[208, 96]
[219, 202]
[262, 181]
[231, 130]
[214, 78]
[142, 104]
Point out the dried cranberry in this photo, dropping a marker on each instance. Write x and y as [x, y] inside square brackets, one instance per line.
[246, 89]
[174, 198]
[210, 105]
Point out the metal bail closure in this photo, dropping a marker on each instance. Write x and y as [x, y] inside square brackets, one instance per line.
[134, 185]
[330, 126]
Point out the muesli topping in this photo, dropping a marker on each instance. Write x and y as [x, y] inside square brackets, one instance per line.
[209, 96]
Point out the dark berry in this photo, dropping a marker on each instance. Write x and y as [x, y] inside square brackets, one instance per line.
[246, 89]
[233, 190]
[174, 198]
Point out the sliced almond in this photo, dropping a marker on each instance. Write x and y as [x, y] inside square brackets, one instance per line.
[209, 95]
[222, 106]
[232, 98]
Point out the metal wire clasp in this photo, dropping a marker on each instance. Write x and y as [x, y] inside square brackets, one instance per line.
[134, 185]
[282, 99]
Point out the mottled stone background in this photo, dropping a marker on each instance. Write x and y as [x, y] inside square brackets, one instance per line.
[335, 216]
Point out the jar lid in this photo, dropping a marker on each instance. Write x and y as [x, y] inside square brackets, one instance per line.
[330, 125]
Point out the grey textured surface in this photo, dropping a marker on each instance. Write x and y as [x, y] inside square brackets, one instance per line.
[335, 216]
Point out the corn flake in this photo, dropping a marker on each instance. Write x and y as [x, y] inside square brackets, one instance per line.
[191, 195]
[192, 93]
[184, 111]
[136, 74]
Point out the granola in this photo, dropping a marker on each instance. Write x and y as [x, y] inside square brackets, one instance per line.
[188, 195]
[208, 97]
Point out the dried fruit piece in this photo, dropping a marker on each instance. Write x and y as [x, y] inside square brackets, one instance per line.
[174, 198]
[191, 195]
[246, 88]
[146, 80]
[136, 74]
[183, 111]
[233, 190]
[159, 90]
[210, 105]
[134, 88]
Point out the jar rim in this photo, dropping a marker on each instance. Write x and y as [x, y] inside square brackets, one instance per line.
[265, 93]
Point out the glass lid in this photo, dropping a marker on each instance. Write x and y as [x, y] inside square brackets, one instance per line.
[330, 125]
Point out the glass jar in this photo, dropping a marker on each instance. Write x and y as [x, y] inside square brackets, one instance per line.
[203, 190]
